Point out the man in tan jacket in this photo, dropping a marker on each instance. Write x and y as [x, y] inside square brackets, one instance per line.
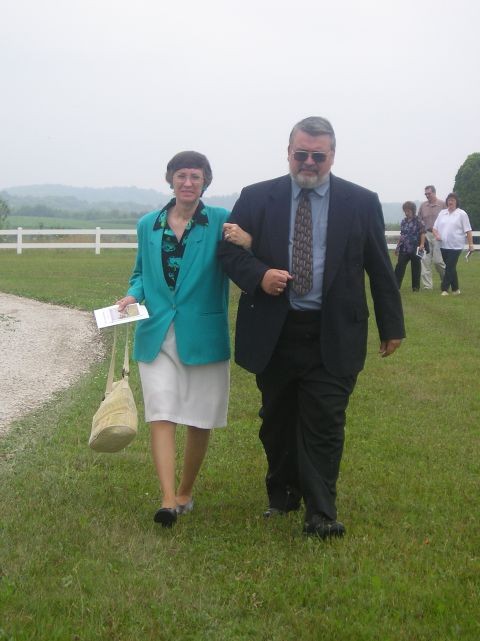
[428, 213]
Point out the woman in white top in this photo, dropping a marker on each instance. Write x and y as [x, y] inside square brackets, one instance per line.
[450, 228]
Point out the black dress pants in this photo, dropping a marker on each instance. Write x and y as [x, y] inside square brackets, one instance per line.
[402, 262]
[450, 279]
[303, 415]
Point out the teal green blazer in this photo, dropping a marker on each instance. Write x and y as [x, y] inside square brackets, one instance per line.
[198, 307]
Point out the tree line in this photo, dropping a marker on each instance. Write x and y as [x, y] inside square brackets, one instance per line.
[45, 211]
[467, 187]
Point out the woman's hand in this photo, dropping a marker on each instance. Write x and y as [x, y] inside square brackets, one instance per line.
[123, 302]
[235, 234]
[471, 246]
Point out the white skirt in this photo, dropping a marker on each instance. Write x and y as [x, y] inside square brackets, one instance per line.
[195, 395]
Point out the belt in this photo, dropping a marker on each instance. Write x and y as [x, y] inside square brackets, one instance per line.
[304, 316]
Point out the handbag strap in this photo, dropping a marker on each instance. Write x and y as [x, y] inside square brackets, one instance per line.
[126, 364]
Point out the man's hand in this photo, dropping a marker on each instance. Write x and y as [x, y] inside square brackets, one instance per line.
[275, 281]
[388, 347]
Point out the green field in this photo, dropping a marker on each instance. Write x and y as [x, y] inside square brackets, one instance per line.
[82, 560]
[50, 222]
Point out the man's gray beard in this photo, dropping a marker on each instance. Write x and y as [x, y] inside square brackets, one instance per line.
[309, 182]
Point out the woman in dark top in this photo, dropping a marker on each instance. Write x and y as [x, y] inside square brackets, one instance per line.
[412, 237]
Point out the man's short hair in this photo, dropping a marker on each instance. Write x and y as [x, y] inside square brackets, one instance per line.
[432, 188]
[314, 126]
[189, 160]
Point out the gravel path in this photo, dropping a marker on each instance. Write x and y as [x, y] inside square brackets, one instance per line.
[43, 349]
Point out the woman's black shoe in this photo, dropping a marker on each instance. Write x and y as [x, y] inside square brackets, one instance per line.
[166, 516]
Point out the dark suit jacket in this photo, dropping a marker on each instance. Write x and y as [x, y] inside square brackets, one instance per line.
[355, 245]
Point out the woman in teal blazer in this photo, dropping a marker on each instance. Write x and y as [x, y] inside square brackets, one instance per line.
[183, 348]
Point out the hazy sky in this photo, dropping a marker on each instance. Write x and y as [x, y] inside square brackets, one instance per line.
[103, 92]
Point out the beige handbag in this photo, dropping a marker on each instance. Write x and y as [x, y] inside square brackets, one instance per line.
[114, 425]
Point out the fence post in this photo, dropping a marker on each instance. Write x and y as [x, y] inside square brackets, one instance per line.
[19, 240]
[97, 240]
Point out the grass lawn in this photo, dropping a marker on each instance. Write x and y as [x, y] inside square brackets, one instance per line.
[51, 222]
[82, 560]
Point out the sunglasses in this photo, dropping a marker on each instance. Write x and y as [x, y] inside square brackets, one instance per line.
[317, 156]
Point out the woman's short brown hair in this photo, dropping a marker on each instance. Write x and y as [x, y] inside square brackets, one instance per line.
[189, 160]
[408, 204]
[455, 197]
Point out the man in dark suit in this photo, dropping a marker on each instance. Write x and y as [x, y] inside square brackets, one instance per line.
[303, 317]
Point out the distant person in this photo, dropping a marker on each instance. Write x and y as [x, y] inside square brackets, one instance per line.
[183, 349]
[303, 317]
[450, 230]
[428, 213]
[412, 237]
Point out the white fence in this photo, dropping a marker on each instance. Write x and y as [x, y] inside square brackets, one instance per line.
[23, 239]
[96, 243]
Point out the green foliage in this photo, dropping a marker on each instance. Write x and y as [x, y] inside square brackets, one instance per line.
[4, 212]
[467, 186]
[76, 222]
[117, 203]
[44, 211]
[80, 556]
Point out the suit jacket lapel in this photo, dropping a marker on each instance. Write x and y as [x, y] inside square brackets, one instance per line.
[277, 220]
[339, 222]
[156, 237]
[195, 237]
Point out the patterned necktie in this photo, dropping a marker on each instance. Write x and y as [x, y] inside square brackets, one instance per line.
[302, 253]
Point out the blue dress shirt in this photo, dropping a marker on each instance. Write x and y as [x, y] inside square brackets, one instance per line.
[319, 199]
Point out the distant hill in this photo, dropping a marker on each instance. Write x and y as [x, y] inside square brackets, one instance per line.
[81, 199]
[132, 200]
[143, 197]
[393, 213]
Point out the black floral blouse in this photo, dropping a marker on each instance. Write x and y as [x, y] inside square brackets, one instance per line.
[173, 249]
[410, 231]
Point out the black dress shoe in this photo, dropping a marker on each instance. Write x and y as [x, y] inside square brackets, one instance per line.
[281, 503]
[275, 511]
[271, 512]
[319, 525]
[185, 508]
[166, 516]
